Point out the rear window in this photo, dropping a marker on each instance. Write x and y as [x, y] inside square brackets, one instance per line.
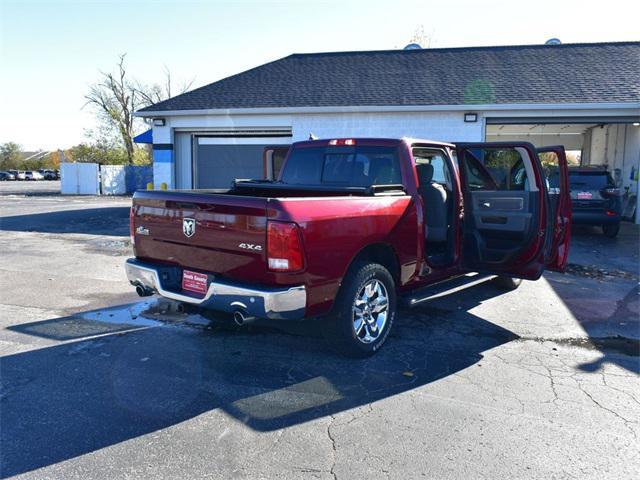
[590, 180]
[360, 166]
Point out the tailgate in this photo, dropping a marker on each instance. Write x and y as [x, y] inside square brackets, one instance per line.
[218, 233]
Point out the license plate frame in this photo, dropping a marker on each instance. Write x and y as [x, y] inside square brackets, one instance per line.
[195, 282]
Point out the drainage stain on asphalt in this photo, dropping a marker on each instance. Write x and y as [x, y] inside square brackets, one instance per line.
[597, 273]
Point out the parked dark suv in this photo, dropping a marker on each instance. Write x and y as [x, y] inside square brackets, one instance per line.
[595, 199]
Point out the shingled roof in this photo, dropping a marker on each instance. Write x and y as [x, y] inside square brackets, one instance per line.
[529, 74]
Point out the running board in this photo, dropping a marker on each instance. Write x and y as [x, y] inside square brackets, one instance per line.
[446, 287]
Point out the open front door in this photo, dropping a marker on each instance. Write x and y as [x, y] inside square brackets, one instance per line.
[506, 226]
[554, 162]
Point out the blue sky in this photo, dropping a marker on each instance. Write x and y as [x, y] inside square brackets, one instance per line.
[51, 51]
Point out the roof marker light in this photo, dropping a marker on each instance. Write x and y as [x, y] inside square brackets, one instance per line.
[342, 141]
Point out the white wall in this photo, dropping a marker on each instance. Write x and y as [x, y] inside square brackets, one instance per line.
[79, 179]
[618, 147]
[183, 168]
[113, 179]
[440, 126]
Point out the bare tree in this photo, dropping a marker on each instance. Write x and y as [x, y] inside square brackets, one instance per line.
[116, 100]
[116, 97]
[158, 92]
[421, 38]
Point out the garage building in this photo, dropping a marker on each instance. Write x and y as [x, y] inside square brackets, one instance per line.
[583, 96]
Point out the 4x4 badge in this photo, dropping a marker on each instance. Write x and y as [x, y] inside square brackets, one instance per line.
[251, 246]
[188, 227]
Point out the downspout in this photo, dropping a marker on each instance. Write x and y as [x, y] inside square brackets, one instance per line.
[606, 147]
[624, 154]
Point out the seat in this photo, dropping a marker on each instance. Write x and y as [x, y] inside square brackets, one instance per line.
[435, 203]
[382, 172]
[358, 177]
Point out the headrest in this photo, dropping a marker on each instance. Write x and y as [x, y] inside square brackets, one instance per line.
[425, 172]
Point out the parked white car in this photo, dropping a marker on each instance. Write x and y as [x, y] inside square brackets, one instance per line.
[33, 175]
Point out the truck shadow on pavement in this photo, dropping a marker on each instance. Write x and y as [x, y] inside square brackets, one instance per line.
[114, 382]
[92, 221]
[600, 289]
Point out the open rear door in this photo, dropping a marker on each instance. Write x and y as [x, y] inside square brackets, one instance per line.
[506, 226]
[554, 162]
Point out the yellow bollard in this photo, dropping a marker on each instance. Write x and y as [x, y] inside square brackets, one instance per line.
[150, 186]
[163, 186]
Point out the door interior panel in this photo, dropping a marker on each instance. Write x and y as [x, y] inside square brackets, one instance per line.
[499, 201]
[501, 211]
[501, 222]
[501, 188]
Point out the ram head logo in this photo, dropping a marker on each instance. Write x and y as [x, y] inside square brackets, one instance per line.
[188, 227]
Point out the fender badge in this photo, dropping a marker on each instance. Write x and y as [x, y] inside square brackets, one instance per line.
[251, 246]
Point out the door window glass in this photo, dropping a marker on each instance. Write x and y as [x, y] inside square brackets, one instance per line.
[279, 154]
[495, 169]
[436, 159]
[551, 169]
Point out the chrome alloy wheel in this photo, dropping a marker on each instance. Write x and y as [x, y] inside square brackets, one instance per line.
[370, 311]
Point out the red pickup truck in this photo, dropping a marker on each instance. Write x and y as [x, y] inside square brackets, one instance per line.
[351, 227]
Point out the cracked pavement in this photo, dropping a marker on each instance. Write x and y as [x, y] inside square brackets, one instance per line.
[541, 382]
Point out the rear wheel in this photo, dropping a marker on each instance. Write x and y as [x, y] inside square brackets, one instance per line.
[507, 283]
[364, 311]
[611, 230]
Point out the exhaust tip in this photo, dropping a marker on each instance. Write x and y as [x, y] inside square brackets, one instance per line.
[239, 318]
[143, 292]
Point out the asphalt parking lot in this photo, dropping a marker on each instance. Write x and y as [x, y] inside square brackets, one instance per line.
[542, 382]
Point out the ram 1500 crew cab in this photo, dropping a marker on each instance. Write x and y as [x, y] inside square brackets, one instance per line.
[350, 227]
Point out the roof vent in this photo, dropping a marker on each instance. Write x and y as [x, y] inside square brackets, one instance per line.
[553, 41]
[413, 46]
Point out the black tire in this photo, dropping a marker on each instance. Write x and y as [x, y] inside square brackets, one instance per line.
[340, 331]
[611, 230]
[507, 283]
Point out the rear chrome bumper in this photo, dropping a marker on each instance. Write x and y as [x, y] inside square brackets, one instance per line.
[276, 304]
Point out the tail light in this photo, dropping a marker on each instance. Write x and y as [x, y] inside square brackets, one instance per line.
[131, 230]
[611, 213]
[284, 247]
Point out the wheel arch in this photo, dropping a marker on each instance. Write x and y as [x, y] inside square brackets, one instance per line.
[381, 253]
